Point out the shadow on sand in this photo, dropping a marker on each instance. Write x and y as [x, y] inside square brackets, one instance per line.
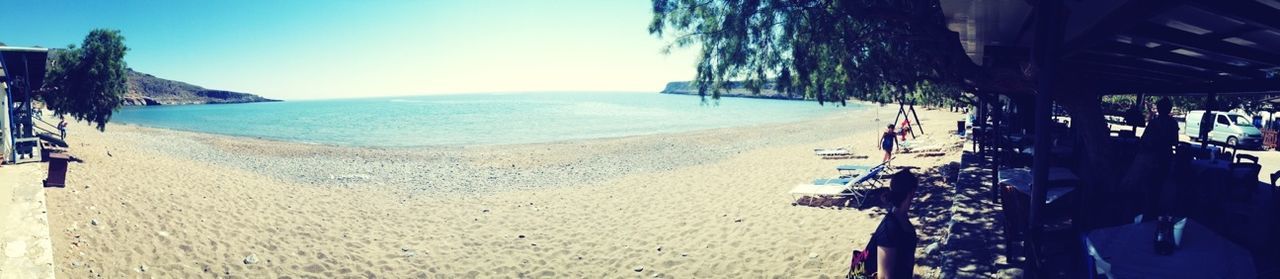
[959, 224]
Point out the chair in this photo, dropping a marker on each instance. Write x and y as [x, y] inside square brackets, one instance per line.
[1055, 235]
[1015, 221]
[855, 187]
[1274, 176]
[1243, 179]
[1243, 157]
[1225, 154]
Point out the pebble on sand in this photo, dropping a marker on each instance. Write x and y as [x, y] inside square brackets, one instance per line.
[639, 268]
[93, 222]
[251, 259]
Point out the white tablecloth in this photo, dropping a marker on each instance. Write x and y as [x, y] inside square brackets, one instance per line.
[1055, 151]
[1021, 178]
[1128, 251]
[1207, 164]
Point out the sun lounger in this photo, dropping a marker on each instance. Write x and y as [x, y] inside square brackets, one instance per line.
[838, 181]
[836, 153]
[913, 147]
[931, 154]
[855, 187]
[831, 151]
[853, 170]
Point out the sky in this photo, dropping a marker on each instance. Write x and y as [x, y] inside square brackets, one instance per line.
[322, 49]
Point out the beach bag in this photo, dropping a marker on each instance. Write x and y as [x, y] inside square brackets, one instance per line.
[863, 264]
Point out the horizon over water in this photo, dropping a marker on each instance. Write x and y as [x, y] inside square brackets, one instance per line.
[472, 119]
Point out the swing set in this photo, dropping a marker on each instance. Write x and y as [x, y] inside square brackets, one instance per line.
[903, 110]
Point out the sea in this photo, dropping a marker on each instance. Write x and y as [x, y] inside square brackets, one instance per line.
[473, 119]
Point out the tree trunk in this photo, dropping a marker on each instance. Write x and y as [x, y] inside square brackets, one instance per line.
[1093, 150]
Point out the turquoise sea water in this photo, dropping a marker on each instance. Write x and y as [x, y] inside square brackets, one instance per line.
[472, 119]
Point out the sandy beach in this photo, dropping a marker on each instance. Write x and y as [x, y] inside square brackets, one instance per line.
[707, 204]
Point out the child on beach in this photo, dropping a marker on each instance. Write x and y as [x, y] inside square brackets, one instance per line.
[906, 128]
[887, 141]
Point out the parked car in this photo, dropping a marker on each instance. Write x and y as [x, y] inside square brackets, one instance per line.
[1231, 128]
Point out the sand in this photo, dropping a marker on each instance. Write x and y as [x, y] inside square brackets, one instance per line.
[700, 204]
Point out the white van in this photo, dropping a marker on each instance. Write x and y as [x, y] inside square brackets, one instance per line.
[1234, 129]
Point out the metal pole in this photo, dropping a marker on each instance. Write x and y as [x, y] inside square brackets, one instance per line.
[997, 118]
[1046, 51]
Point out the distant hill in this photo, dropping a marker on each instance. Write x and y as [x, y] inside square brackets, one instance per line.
[148, 90]
[736, 89]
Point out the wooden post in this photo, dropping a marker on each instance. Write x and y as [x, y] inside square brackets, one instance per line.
[1140, 104]
[993, 135]
[901, 112]
[1046, 50]
[917, 116]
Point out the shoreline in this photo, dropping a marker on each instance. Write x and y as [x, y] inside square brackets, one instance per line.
[832, 112]
[539, 164]
[163, 203]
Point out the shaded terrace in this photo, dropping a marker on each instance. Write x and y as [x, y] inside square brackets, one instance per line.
[1051, 62]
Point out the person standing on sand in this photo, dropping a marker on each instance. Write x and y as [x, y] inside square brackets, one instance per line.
[895, 238]
[887, 141]
[62, 127]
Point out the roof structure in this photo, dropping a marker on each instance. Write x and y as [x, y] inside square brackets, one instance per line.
[1154, 47]
[23, 64]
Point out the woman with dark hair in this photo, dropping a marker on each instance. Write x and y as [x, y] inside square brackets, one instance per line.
[887, 141]
[895, 239]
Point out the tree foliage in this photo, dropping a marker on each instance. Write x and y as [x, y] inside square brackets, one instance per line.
[829, 50]
[88, 82]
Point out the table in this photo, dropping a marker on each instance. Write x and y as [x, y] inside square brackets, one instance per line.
[1209, 151]
[1020, 178]
[1059, 151]
[1128, 251]
[1209, 164]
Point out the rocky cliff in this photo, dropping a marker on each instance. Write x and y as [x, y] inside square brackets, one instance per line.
[736, 89]
[148, 90]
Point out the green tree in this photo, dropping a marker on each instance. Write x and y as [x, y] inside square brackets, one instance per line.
[88, 82]
[828, 50]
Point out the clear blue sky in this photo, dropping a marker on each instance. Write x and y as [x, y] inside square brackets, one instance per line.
[298, 49]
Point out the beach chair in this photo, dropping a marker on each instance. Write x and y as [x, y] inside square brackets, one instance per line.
[859, 170]
[852, 170]
[836, 153]
[853, 187]
[918, 147]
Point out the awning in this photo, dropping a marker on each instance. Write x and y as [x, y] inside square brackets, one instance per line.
[23, 64]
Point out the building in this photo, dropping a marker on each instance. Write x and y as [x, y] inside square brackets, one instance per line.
[22, 71]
